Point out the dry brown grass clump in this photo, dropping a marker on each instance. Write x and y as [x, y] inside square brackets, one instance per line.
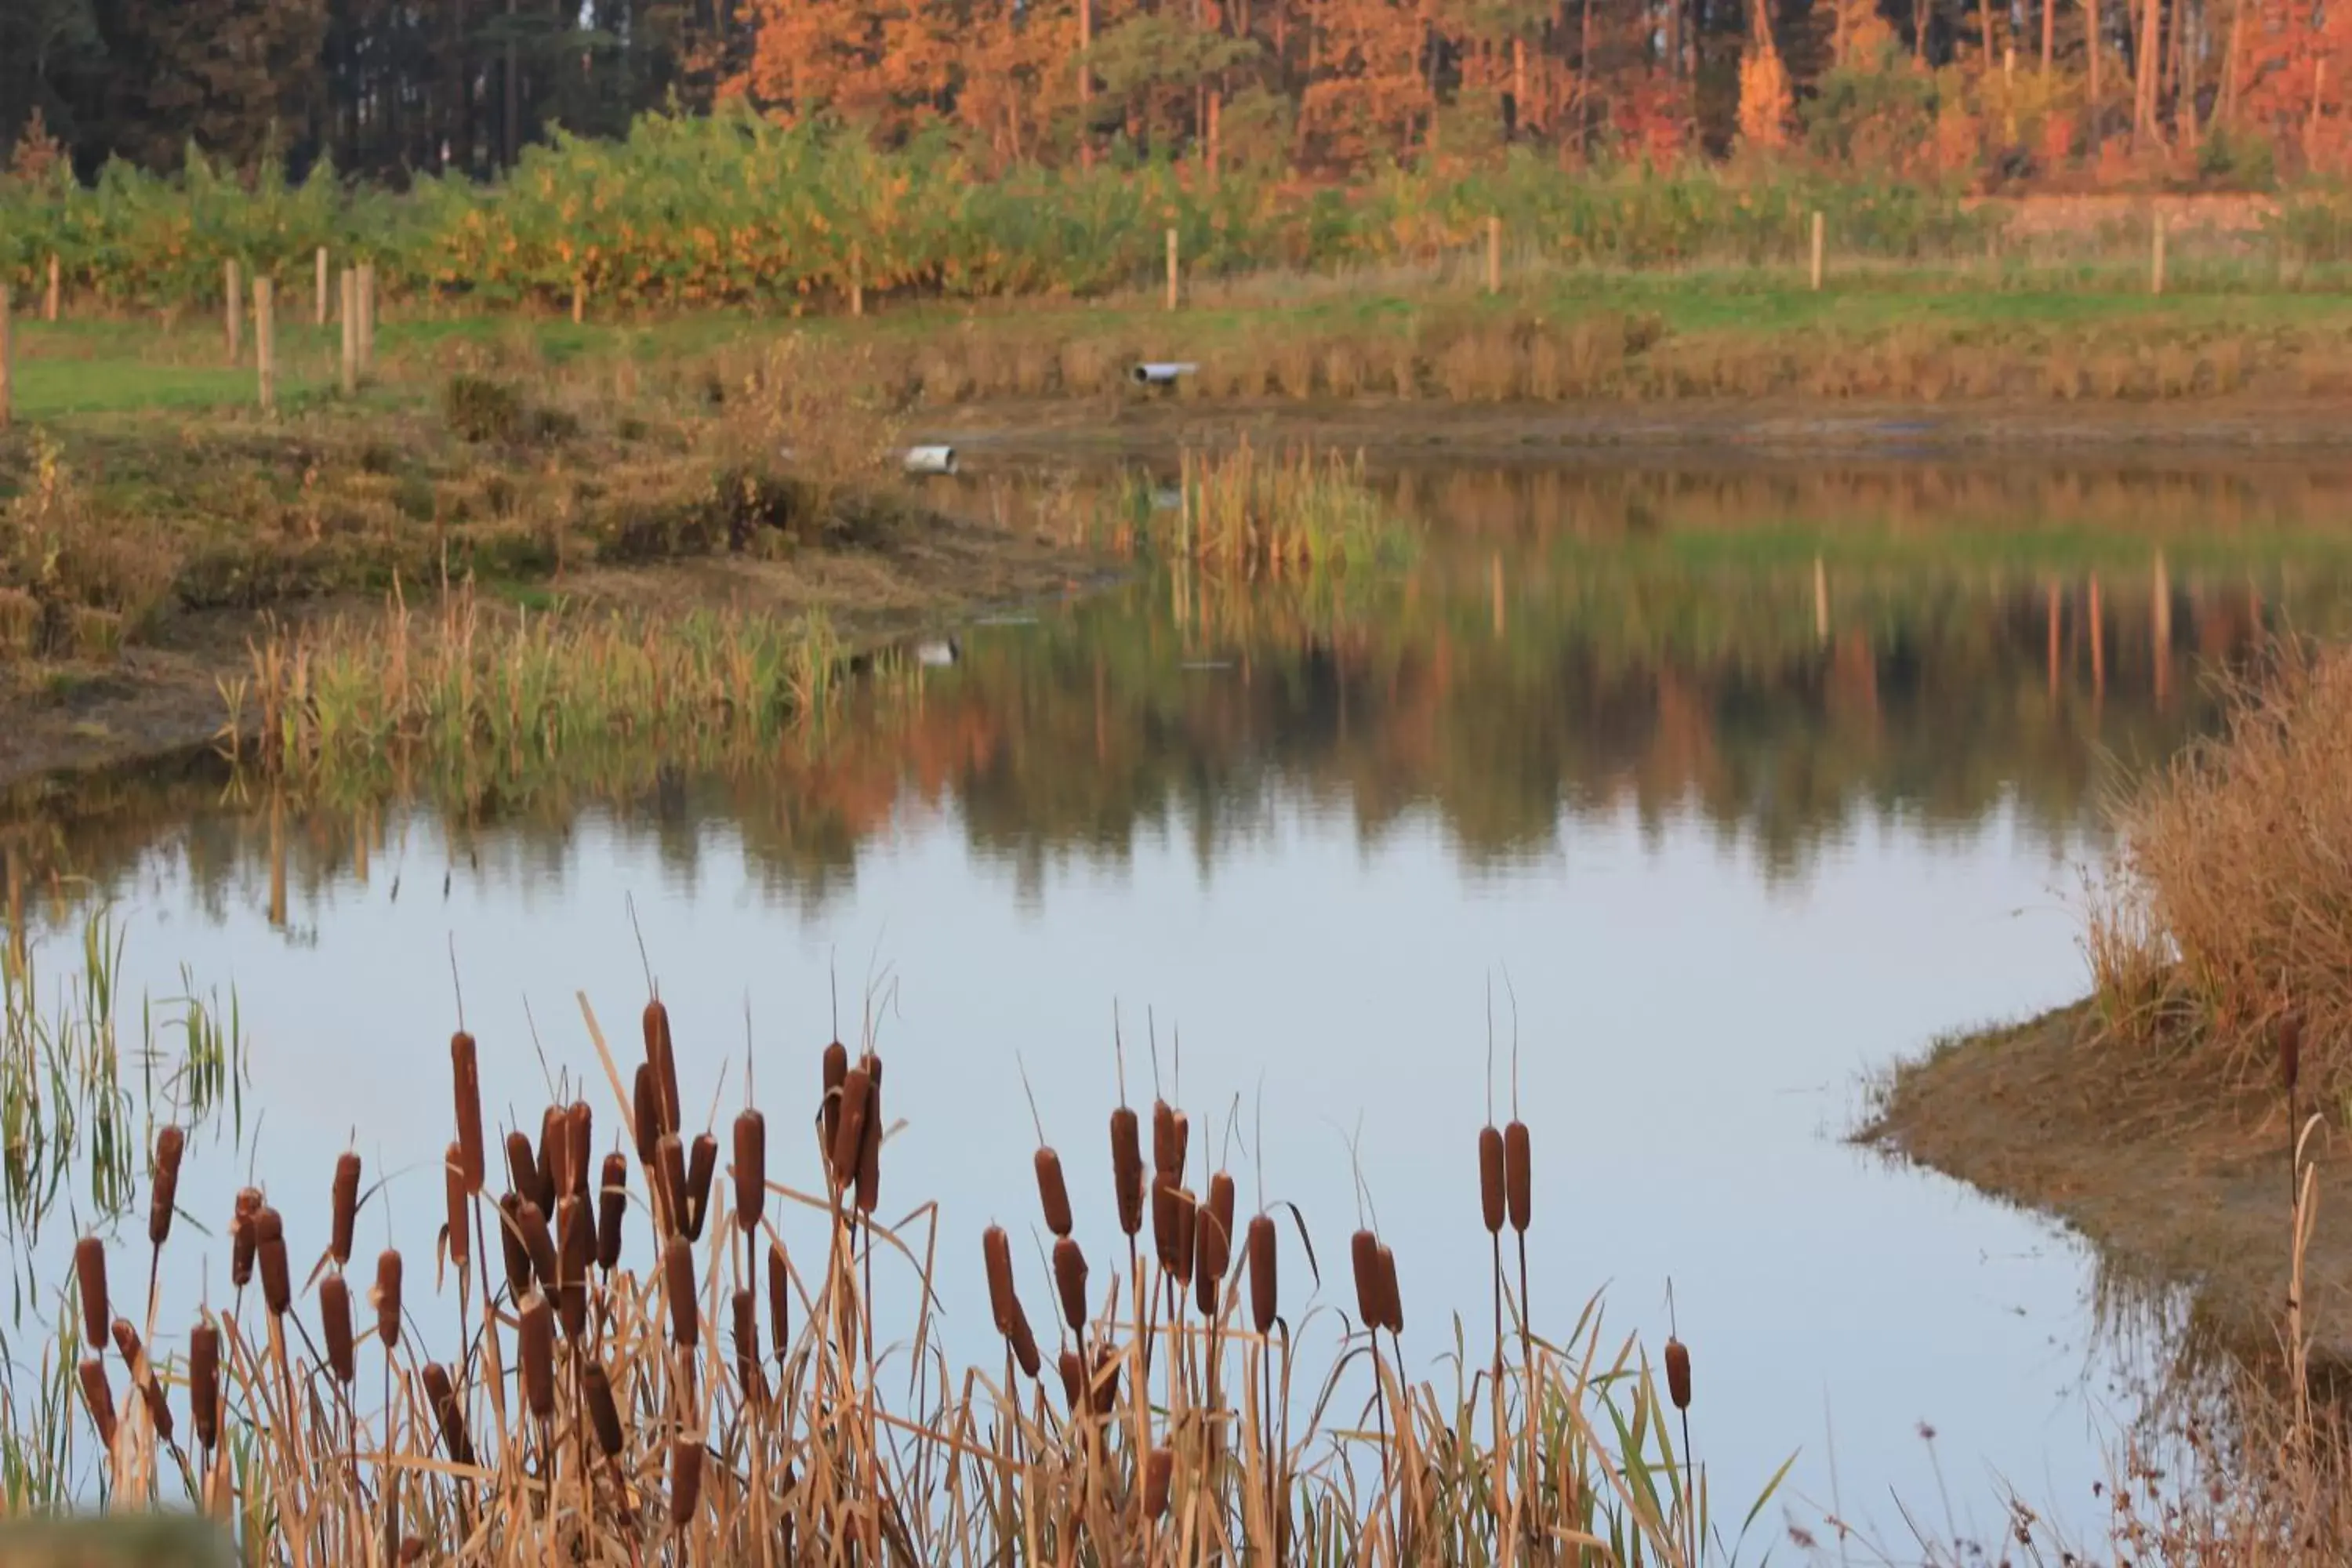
[2230, 907]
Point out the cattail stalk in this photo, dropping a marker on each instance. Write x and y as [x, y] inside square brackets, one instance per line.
[90, 1278]
[699, 1171]
[387, 1299]
[456, 1230]
[612, 1208]
[335, 1318]
[537, 1338]
[204, 1384]
[751, 1170]
[466, 1072]
[346, 1207]
[270, 1249]
[1127, 1170]
[244, 1237]
[1052, 1192]
[165, 1197]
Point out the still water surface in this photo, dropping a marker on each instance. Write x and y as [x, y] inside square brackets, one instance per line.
[1733, 788]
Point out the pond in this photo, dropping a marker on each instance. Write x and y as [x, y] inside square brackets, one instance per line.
[1675, 800]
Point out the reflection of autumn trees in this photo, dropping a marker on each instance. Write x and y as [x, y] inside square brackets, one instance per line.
[1567, 650]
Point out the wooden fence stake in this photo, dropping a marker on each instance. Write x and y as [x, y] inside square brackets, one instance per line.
[50, 306]
[856, 281]
[264, 340]
[367, 318]
[321, 286]
[351, 314]
[2156, 256]
[1172, 269]
[1817, 253]
[579, 298]
[1494, 254]
[232, 309]
[7, 359]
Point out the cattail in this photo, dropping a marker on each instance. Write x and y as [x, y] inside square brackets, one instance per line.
[697, 1183]
[204, 1384]
[1364, 1260]
[575, 1255]
[537, 1336]
[242, 1239]
[455, 1226]
[165, 1197]
[603, 1414]
[644, 1107]
[1212, 1244]
[1025, 1343]
[579, 1141]
[522, 1166]
[539, 1241]
[270, 1247]
[412, 1550]
[1163, 1221]
[997, 1248]
[1187, 1216]
[1053, 1192]
[849, 1137]
[1074, 1382]
[870, 1143]
[746, 1305]
[669, 1167]
[677, 1265]
[612, 1208]
[1105, 1380]
[511, 1246]
[1167, 1141]
[780, 1299]
[836, 1078]
[89, 1274]
[387, 1299]
[346, 1207]
[142, 1377]
[335, 1317]
[1070, 1282]
[1490, 1179]
[98, 1397]
[1392, 1302]
[685, 1481]
[443, 1398]
[751, 1169]
[468, 1073]
[662, 1054]
[1518, 1176]
[1220, 1204]
[1262, 1277]
[553, 1156]
[1678, 1387]
[2290, 1043]
[1127, 1170]
[1159, 1471]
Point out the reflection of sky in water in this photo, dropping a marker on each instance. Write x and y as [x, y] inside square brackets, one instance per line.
[1693, 1035]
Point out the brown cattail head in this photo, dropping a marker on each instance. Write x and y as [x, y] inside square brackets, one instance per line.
[1158, 1471]
[849, 1136]
[699, 1173]
[678, 1271]
[468, 1073]
[165, 1197]
[1002, 1303]
[539, 1241]
[685, 1481]
[579, 1147]
[522, 1166]
[1392, 1301]
[575, 1258]
[1025, 1343]
[836, 1077]
[780, 1299]
[661, 1054]
[612, 1208]
[448, 1414]
[455, 1232]
[1163, 1221]
[335, 1317]
[241, 1237]
[1126, 1169]
[142, 1377]
[1364, 1263]
[1105, 1380]
[346, 1207]
[1212, 1244]
[270, 1249]
[1073, 1381]
[644, 1112]
[2290, 1045]
[1188, 1223]
[1220, 1204]
[554, 1156]
[669, 1167]
[1518, 1175]
[1053, 1192]
[1070, 1283]
[1262, 1277]
[537, 1336]
[98, 1398]
[1167, 1140]
[746, 1312]
[203, 1382]
[1490, 1179]
[513, 1246]
[869, 1143]
[89, 1276]
[1678, 1384]
[387, 1299]
[751, 1169]
[603, 1414]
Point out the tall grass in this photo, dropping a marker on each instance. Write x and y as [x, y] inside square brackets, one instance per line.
[1240, 510]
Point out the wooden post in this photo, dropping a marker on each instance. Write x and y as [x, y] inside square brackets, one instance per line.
[1817, 252]
[351, 314]
[232, 309]
[367, 318]
[321, 288]
[579, 298]
[265, 342]
[1821, 600]
[1172, 269]
[857, 281]
[50, 306]
[1494, 254]
[7, 359]
[2156, 253]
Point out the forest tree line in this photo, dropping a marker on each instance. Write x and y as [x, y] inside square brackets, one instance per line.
[1991, 90]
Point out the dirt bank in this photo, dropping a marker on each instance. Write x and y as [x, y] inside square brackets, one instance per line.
[2173, 1184]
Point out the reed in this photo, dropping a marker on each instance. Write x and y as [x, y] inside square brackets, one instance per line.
[335, 1327]
[701, 1166]
[345, 1209]
[466, 1068]
[171, 1145]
